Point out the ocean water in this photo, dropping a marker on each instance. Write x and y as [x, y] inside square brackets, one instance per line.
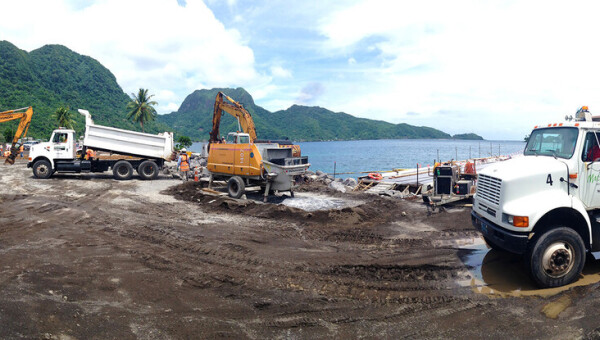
[352, 157]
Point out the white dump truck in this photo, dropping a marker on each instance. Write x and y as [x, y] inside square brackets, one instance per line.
[130, 150]
[546, 204]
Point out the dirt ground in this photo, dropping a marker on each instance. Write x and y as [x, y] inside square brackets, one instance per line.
[88, 257]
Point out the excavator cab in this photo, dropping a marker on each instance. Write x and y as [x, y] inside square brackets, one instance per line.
[238, 138]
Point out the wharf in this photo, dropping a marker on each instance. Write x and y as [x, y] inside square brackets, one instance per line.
[420, 179]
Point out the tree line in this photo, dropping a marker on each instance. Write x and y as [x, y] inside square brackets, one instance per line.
[140, 109]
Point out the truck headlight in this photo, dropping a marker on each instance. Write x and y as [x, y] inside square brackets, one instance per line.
[517, 221]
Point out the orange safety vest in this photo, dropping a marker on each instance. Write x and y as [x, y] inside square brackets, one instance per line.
[184, 166]
[89, 153]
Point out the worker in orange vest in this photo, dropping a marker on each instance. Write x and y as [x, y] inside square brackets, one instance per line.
[183, 163]
[21, 149]
[90, 154]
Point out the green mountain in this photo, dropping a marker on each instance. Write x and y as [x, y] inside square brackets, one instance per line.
[299, 123]
[54, 76]
[467, 136]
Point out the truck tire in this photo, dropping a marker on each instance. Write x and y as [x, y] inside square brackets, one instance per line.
[42, 169]
[122, 170]
[236, 187]
[556, 258]
[148, 170]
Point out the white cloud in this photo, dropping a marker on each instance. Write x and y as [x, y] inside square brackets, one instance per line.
[280, 72]
[171, 107]
[504, 67]
[495, 68]
[172, 50]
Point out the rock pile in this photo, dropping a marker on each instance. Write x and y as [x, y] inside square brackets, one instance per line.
[337, 183]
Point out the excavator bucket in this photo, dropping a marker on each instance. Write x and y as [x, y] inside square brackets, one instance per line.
[21, 129]
[14, 151]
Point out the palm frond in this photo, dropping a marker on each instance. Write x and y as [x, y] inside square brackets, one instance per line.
[141, 108]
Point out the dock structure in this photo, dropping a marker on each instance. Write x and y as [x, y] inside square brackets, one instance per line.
[415, 181]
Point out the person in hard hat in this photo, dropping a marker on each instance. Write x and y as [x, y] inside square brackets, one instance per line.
[21, 149]
[183, 163]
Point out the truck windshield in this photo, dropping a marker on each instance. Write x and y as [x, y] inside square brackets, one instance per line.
[243, 139]
[555, 142]
[60, 138]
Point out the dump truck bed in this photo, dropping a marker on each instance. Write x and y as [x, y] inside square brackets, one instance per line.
[127, 142]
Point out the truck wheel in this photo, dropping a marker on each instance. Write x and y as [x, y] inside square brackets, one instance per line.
[42, 169]
[148, 170]
[556, 258]
[122, 170]
[236, 187]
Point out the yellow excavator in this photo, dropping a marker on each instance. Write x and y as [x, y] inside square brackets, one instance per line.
[244, 161]
[236, 110]
[25, 115]
[245, 122]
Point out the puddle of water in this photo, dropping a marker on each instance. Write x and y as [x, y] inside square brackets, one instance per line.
[500, 274]
[554, 308]
[312, 202]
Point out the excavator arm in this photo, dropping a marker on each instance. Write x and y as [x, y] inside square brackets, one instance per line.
[235, 109]
[25, 115]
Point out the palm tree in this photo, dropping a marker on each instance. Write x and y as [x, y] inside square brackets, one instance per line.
[63, 117]
[141, 107]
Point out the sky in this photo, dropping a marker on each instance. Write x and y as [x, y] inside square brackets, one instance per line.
[495, 68]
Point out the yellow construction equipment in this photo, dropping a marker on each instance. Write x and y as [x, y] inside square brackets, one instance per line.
[244, 161]
[235, 109]
[245, 123]
[25, 115]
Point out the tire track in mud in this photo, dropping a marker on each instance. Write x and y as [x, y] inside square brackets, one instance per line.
[238, 269]
[206, 263]
[338, 270]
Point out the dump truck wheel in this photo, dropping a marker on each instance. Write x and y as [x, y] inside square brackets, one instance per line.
[556, 258]
[42, 169]
[236, 187]
[122, 170]
[148, 170]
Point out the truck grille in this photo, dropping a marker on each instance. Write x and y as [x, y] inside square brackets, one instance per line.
[488, 189]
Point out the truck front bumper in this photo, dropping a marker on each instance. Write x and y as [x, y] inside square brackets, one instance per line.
[511, 241]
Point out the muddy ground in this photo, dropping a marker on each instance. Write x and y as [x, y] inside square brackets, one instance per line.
[88, 257]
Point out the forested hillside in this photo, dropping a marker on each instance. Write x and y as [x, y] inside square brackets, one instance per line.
[299, 123]
[54, 76]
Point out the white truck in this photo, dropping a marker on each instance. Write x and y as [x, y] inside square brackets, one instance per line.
[546, 204]
[146, 153]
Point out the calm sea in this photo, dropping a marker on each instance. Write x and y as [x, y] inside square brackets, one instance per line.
[380, 155]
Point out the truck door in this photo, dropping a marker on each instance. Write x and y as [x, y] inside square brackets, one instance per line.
[589, 179]
[62, 145]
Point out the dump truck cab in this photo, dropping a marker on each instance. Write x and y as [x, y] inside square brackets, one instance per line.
[60, 146]
[544, 204]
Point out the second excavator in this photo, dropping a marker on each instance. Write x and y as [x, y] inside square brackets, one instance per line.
[24, 114]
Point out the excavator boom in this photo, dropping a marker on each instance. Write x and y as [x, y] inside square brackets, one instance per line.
[236, 110]
[21, 129]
